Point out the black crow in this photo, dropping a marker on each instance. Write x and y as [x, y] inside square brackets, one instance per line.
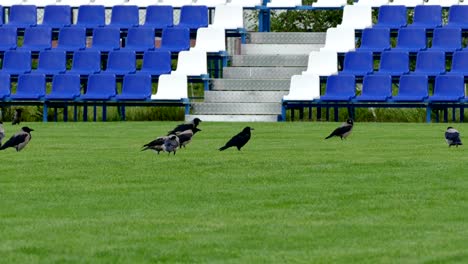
[182, 127]
[19, 140]
[186, 136]
[452, 136]
[17, 116]
[171, 144]
[2, 133]
[155, 145]
[343, 131]
[238, 140]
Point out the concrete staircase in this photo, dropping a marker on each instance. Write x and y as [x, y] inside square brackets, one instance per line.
[252, 87]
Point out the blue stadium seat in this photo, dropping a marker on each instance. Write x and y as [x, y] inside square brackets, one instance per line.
[448, 88]
[156, 63]
[16, 62]
[86, 62]
[30, 87]
[101, 87]
[412, 88]
[65, 87]
[121, 62]
[175, 39]
[411, 40]
[71, 39]
[376, 88]
[22, 16]
[339, 88]
[8, 38]
[37, 39]
[105, 39]
[135, 87]
[193, 17]
[459, 63]
[394, 63]
[430, 63]
[2, 16]
[51, 62]
[124, 16]
[427, 17]
[392, 16]
[57, 16]
[457, 17]
[375, 40]
[91, 16]
[5, 88]
[358, 63]
[159, 17]
[140, 39]
[447, 39]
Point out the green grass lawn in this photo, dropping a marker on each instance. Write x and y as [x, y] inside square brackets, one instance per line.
[85, 193]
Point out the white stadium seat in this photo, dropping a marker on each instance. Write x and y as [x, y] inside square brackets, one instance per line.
[340, 39]
[284, 3]
[322, 63]
[210, 40]
[228, 17]
[303, 88]
[192, 63]
[357, 17]
[171, 87]
[329, 3]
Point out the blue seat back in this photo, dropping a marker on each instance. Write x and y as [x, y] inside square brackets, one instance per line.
[159, 61]
[460, 61]
[457, 14]
[393, 16]
[394, 61]
[101, 84]
[72, 37]
[359, 61]
[57, 16]
[2, 16]
[52, 60]
[87, 60]
[430, 61]
[140, 37]
[123, 60]
[66, 84]
[378, 38]
[449, 85]
[91, 16]
[5, 85]
[8, 39]
[342, 85]
[23, 15]
[447, 38]
[413, 38]
[137, 84]
[194, 17]
[380, 85]
[106, 38]
[124, 16]
[413, 85]
[159, 17]
[17, 60]
[176, 38]
[37, 38]
[430, 15]
[33, 84]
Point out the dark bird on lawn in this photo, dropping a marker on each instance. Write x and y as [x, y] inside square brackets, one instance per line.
[19, 140]
[17, 116]
[156, 145]
[186, 136]
[182, 127]
[238, 140]
[343, 131]
[171, 144]
[452, 136]
[2, 133]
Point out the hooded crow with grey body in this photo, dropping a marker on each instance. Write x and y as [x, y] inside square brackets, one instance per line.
[186, 136]
[17, 116]
[182, 127]
[171, 144]
[19, 140]
[343, 131]
[238, 140]
[156, 145]
[452, 136]
[2, 133]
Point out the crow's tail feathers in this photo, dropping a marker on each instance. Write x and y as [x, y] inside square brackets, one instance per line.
[331, 135]
[223, 148]
[145, 148]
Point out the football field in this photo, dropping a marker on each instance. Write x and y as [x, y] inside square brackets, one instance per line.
[85, 193]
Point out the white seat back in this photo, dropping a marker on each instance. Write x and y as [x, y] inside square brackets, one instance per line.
[357, 17]
[329, 3]
[322, 63]
[284, 3]
[303, 88]
[210, 40]
[171, 87]
[228, 17]
[192, 63]
[340, 39]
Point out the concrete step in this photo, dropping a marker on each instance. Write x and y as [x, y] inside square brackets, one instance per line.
[286, 37]
[261, 72]
[270, 60]
[283, 49]
[234, 118]
[244, 96]
[236, 108]
[250, 85]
